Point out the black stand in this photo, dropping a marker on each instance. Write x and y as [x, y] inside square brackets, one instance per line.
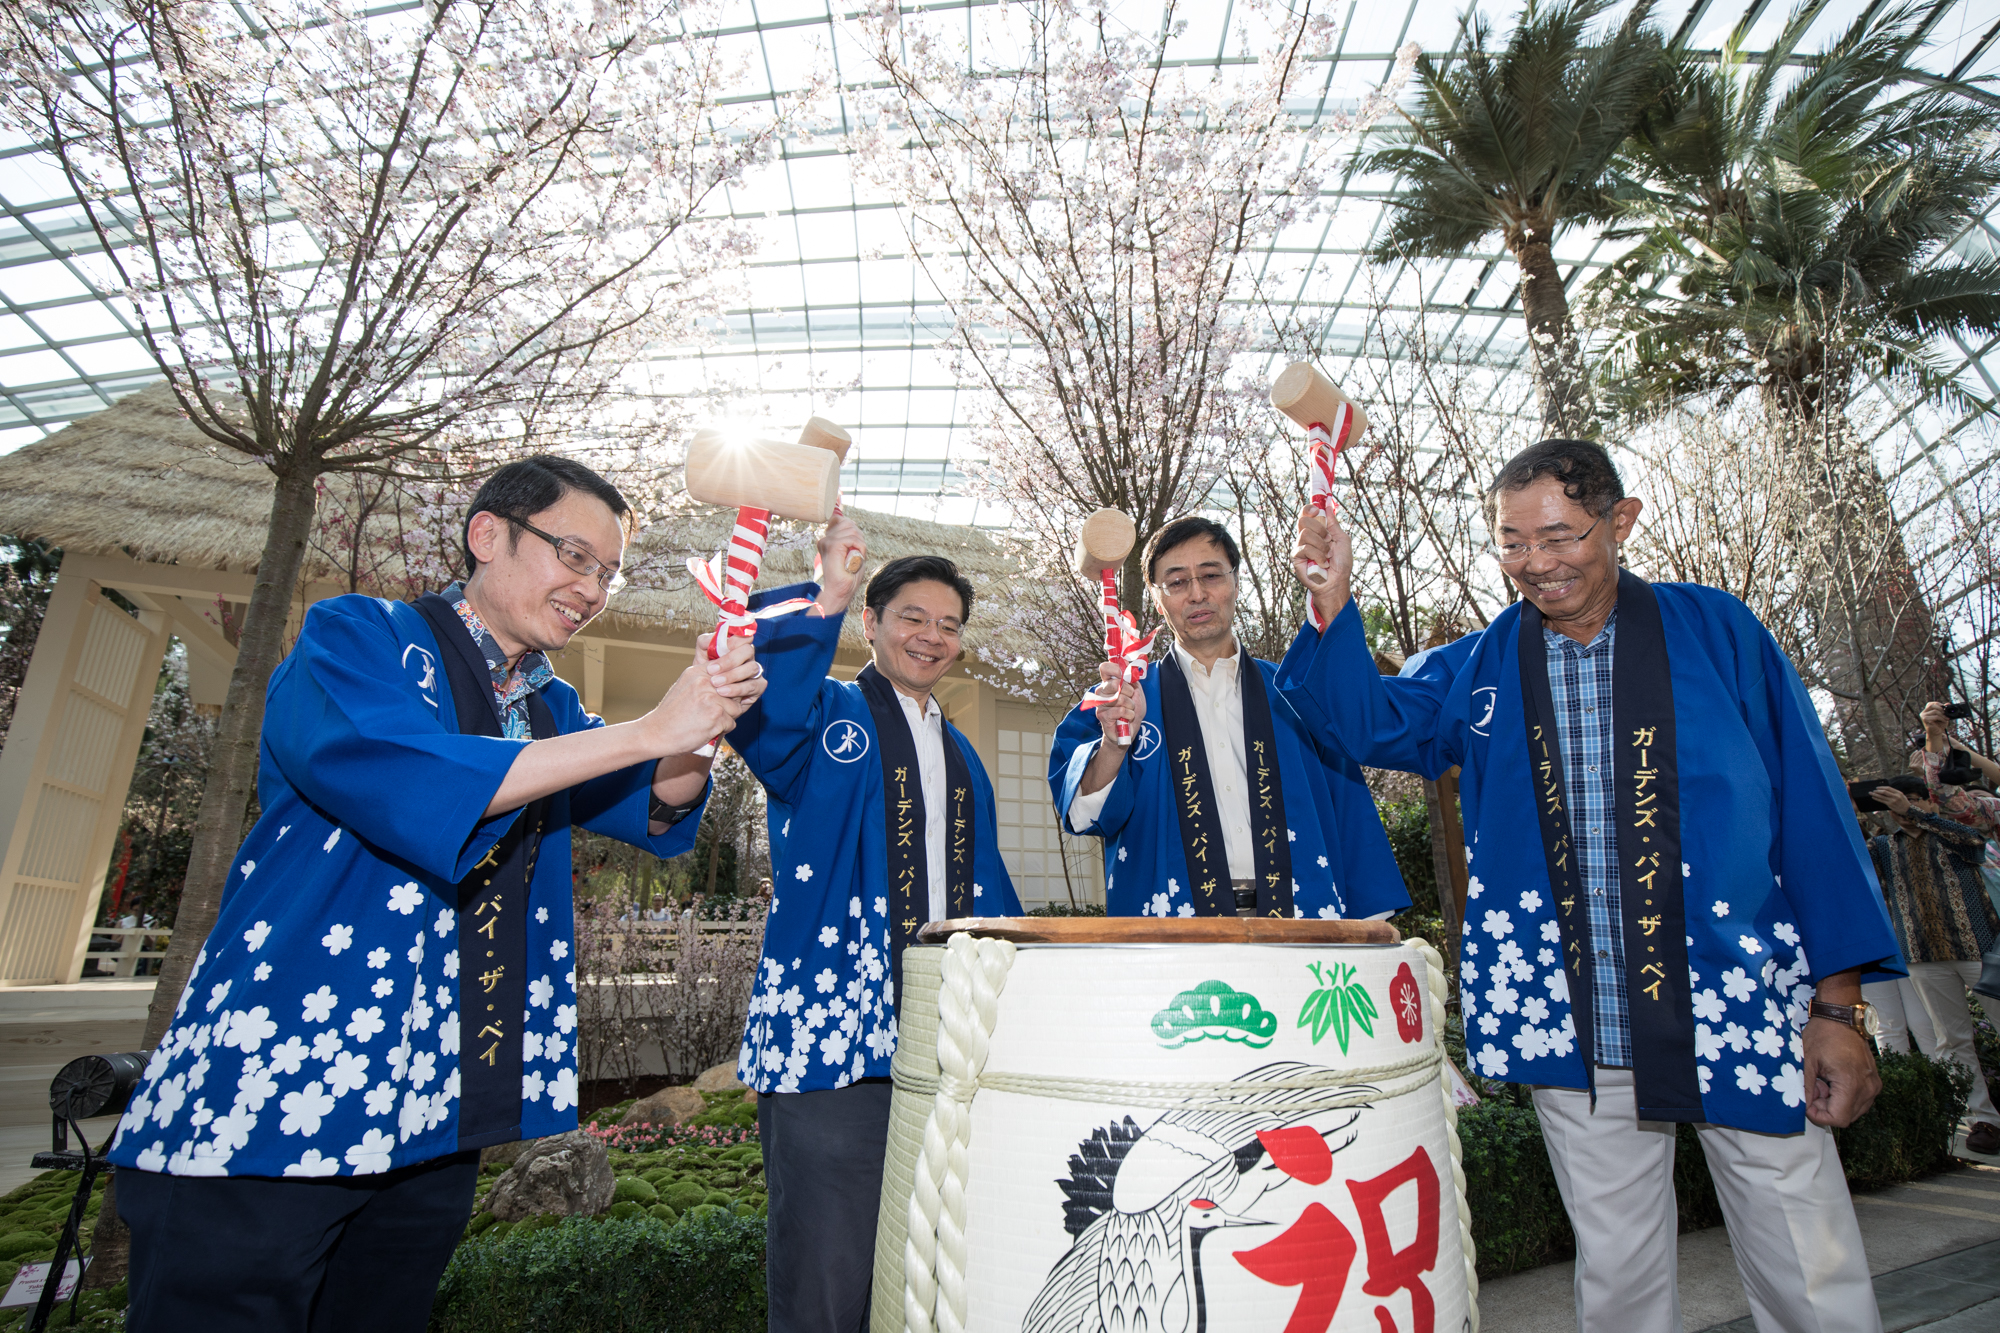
[61, 1157]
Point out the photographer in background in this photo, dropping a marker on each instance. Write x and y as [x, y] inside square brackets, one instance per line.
[1929, 868]
[1948, 771]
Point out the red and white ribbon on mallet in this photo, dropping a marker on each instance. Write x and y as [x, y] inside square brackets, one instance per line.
[1332, 422]
[1106, 539]
[788, 481]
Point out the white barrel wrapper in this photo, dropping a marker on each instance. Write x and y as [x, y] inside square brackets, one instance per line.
[1201, 1206]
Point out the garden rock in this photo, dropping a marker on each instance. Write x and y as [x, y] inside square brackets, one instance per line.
[567, 1175]
[506, 1154]
[722, 1078]
[668, 1106]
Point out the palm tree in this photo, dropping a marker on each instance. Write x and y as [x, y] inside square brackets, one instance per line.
[1519, 142]
[1795, 238]
[1792, 239]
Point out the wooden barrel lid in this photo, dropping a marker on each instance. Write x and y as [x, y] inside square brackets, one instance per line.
[1157, 930]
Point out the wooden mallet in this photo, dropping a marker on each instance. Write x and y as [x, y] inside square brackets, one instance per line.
[1106, 538]
[761, 478]
[1332, 422]
[819, 433]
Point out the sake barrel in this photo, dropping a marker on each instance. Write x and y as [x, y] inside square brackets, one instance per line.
[1196, 1126]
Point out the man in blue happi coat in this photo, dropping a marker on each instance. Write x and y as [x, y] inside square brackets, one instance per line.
[881, 819]
[1224, 802]
[1670, 911]
[390, 985]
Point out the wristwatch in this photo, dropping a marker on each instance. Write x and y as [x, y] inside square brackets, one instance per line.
[1860, 1015]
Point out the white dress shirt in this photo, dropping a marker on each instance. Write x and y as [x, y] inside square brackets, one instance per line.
[1218, 711]
[927, 729]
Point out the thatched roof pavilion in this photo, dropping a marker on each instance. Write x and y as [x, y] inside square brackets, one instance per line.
[143, 503]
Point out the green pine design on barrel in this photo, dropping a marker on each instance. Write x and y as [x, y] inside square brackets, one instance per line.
[1340, 1004]
[1215, 1011]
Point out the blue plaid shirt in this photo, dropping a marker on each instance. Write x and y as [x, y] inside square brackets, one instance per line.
[1580, 685]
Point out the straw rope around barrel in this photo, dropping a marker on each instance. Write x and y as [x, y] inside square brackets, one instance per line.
[974, 973]
[1359, 1086]
[1435, 978]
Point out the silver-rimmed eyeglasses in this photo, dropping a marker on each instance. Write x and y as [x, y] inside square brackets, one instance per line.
[1215, 581]
[1513, 553]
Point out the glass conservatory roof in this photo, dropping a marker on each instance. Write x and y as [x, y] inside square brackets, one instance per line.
[838, 320]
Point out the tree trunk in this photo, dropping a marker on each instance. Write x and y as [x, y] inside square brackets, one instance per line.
[1447, 859]
[232, 774]
[1559, 372]
[1875, 640]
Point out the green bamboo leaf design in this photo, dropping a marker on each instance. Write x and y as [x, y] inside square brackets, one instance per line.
[1341, 1018]
[1309, 1011]
[1364, 1008]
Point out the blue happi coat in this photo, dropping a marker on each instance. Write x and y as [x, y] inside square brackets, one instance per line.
[824, 1011]
[320, 1031]
[1341, 863]
[1777, 886]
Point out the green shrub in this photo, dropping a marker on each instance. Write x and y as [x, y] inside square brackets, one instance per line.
[1908, 1132]
[704, 1275]
[1518, 1220]
[733, 1112]
[1068, 909]
[683, 1194]
[664, 1213]
[1408, 824]
[636, 1189]
[1517, 1214]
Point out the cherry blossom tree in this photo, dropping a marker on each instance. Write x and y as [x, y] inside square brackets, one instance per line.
[1093, 212]
[393, 243]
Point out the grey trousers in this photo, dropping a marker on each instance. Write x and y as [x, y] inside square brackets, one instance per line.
[1784, 1197]
[823, 1169]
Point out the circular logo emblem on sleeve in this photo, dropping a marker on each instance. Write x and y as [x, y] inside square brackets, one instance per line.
[1483, 701]
[844, 741]
[424, 669]
[1147, 741]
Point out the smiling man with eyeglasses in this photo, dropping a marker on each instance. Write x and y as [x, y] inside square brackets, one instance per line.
[390, 986]
[882, 818]
[1670, 908]
[1224, 805]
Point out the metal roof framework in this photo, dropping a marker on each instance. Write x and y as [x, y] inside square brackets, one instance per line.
[839, 320]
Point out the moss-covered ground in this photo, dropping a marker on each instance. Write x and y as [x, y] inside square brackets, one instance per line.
[712, 1164]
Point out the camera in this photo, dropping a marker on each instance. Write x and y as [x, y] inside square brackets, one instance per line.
[1957, 712]
[1909, 784]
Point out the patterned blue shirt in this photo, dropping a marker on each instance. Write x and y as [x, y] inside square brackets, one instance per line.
[511, 685]
[1580, 686]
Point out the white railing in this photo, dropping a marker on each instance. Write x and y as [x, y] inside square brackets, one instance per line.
[118, 949]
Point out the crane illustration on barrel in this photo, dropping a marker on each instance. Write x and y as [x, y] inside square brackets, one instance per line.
[1140, 1202]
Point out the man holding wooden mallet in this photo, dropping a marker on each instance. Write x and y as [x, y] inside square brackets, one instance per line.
[882, 818]
[1210, 793]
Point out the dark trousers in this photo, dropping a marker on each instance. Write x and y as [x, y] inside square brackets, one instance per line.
[249, 1254]
[823, 1169]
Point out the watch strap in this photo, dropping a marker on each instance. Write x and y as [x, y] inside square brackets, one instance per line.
[659, 812]
[1853, 1015]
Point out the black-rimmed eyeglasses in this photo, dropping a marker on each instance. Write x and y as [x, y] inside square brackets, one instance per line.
[576, 559]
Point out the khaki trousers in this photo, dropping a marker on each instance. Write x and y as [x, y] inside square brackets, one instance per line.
[1942, 989]
[1784, 1197]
